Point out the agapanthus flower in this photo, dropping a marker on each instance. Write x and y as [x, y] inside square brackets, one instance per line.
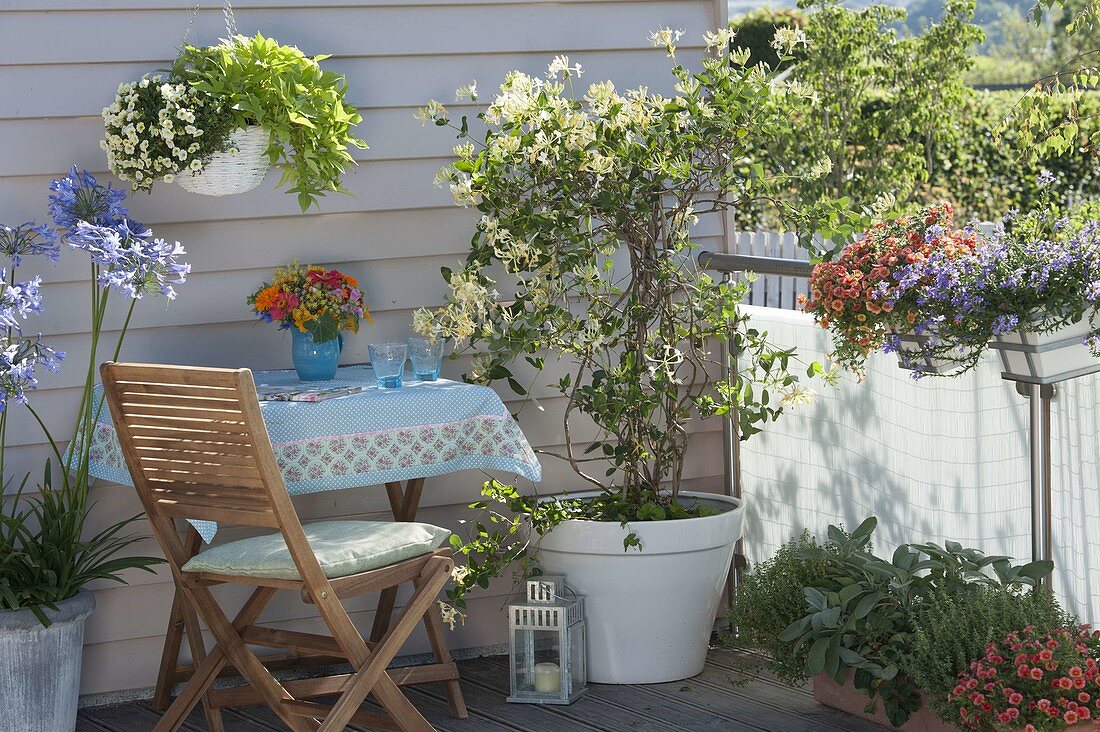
[78, 197]
[131, 260]
[28, 239]
[18, 300]
[18, 361]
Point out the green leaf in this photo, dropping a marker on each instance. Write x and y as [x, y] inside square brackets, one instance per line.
[815, 659]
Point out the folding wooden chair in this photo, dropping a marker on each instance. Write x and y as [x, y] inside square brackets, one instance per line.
[197, 448]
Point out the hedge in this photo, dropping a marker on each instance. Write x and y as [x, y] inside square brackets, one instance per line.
[985, 179]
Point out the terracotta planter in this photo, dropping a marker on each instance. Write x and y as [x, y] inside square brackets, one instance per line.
[847, 699]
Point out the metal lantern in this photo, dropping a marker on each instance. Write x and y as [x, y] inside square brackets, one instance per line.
[547, 644]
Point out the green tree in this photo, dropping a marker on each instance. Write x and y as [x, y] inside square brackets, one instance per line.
[872, 104]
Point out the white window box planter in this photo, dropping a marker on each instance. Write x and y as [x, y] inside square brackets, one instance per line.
[1046, 358]
[910, 356]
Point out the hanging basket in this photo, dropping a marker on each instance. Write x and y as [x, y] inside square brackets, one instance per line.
[1046, 358]
[225, 174]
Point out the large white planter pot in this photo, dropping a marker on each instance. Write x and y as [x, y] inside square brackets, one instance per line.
[1046, 358]
[40, 667]
[649, 613]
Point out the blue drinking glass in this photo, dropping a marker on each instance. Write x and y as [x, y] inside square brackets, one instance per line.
[426, 355]
[388, 360]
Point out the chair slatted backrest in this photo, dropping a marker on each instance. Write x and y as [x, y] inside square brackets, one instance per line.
[195, 443]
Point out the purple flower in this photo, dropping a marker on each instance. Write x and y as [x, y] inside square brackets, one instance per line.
[18, 300]
[78, 197]
[28, 240]
[18, 361]
[1044, 179]
[1004, 323]
[130, 259]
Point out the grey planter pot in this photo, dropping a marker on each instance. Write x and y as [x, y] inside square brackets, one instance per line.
[40, 667]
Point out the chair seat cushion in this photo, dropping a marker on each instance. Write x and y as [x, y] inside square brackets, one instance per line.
[342, 548]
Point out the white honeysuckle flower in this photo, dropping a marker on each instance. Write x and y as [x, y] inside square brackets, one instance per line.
[432, 112]
[882, 205]
[796, 395]
[601, 96]
[423, 322]
[666, 38]
[786, 40]
[688, 86]
[463, 193]
[503, 147]
[821, 168]
[464, 151]
[445, 176]
[467, 92]
[560, 66]
[719, 40]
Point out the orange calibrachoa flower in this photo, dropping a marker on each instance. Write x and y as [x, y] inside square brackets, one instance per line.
[1031, 680]
[867, 293]
[311, 299]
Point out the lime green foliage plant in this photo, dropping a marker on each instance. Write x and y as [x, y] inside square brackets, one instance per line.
[951, 629]
[302, 105]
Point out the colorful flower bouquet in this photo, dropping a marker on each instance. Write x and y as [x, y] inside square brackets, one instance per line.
[311, 299]
[870, 296]
[1032, 681]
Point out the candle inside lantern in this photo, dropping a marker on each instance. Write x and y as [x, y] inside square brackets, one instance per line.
[547, 678]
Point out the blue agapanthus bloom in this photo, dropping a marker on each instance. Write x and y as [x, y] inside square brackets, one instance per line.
[78, 197]
[18, 361]
[131, 260]
[28, 239]
[18, 300]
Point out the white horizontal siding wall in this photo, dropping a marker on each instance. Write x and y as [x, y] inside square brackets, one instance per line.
[60, 62]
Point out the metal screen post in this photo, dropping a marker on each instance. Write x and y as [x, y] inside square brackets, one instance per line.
[1039, 399]
[731, 458]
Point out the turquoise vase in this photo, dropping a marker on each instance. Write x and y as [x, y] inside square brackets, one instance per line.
[315, 361]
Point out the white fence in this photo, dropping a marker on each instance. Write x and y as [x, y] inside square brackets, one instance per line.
[942, 458]
[772, 291]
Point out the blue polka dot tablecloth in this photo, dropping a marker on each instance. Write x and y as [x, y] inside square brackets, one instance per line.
[421, 430]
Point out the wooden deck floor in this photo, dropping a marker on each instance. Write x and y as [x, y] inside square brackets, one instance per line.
[706, 702]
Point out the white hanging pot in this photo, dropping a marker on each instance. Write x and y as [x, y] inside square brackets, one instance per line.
[1046, 358]
[224, 173]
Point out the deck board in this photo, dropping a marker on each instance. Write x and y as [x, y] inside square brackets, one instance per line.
[706, 703]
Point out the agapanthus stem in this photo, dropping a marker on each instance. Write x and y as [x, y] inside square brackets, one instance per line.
[49, 438]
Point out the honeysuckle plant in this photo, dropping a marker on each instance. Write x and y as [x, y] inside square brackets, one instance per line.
[583, 261]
